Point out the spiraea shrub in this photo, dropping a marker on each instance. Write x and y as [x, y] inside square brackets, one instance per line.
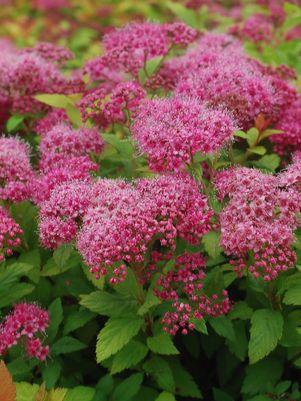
[150, 199]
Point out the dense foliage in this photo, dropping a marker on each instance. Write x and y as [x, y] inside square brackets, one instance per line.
[150, 193]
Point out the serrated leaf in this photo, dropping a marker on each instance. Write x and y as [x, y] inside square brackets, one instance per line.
[80, 393]
[162, 344]
[128, 388]
[239, 347]
[162, 373]
[293, 295]
[185, 384]
[62, 254]
[211, 243]
[56, 317]
[51, 373]
[241, 310]
[41, 394]
[115, 335]
[26, 391]
[76, 320]
[107, 304]
[57, 394]
[266, 331]
[11, 295]
[128, 356]
[151, 300]
[223, 326]
[261, 375]
[220, 395]
[67, 344]
[165, 396]
[7, 388]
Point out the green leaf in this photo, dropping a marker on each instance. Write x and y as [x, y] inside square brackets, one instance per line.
[162, 373]
[124, 146]
[54, 100]
[151, 67]
[67, 344]
[62, 255]
[128, 356]
[9, 275]
[239, 347]
[241, 134]
[14, 122]
[253, 134]
[258, 150]
[293, 295]
[165, 396]
[128, 388]
[220, 395]
[56, 318]
[107, 304]
[74, 115]
[200, 325]
[241, 310]
[151, 300]
[26, 391]
[223, 327]
[116, 334]
[185, 384]
[266, 331]
[32, 258]
[51, 373]
[184, 13]
[162, 344]
[260, 376]
[268, 162]
[76, 320]
[211, 243]
[80, 393]
[11, 295]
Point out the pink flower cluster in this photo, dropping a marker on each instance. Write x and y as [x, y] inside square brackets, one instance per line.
[125, 221]
[10, 233]
[257, 28]
[24, 324]
[171, 130]
[65, 157]
[187, 278]
[15, 169]
[62, 142]
[61, 214]
[106, 108]
[26, 73]
[130, 47]
[217, 71]
[290, 125]
[258, 222]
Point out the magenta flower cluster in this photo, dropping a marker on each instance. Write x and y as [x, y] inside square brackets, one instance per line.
[187, 278]
[172, 130]
[15, 169]
[24, 325]
[10, 234]
[258, 222]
